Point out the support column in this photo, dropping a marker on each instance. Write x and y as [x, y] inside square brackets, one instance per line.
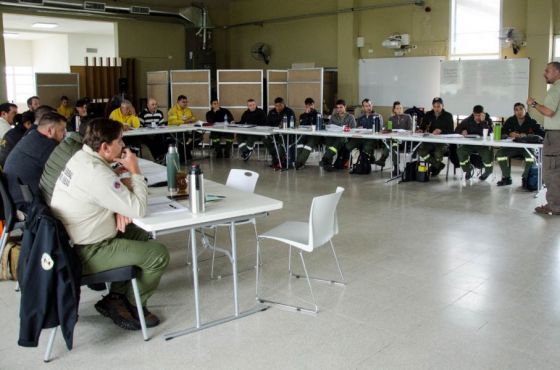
[347, 53]
[539, 47]
[3, 93]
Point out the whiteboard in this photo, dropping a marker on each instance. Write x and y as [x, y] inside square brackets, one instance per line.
[495, 84]
[412, 81]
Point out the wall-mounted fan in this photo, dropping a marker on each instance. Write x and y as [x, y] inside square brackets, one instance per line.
[261, 51]
[511, 37]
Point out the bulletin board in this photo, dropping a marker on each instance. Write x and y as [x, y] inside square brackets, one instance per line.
[195, 85]
[158, 88]
[51, 86]
[236, 86]
[302, 84]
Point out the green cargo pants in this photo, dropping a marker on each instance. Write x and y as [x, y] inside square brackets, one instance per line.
[504, 154]
[464, 152]
[129, 248]
[432, 153]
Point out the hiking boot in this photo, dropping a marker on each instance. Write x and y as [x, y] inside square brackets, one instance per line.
[524, 182]
[469, 172]
[380, 162]
[300, 166]
[227, 151]
[484, 176]
[436, 169]
[219, 153]
[246, 155]
[116, 306]
[504, 181]
[395, 172]
[151, 319]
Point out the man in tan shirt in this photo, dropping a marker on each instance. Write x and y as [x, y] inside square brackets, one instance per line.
[96, 207]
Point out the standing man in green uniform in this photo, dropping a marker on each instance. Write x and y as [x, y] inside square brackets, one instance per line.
[551, 145]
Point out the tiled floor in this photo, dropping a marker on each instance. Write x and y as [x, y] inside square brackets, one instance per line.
[441, 275]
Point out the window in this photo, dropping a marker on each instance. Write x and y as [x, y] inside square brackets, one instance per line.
[475, 29]
[20, 84]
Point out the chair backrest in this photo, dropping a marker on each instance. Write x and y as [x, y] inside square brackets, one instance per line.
[8, 206]
[323, 223]
[243, 180]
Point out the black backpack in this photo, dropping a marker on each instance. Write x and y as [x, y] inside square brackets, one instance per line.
[410, 171]
[533, 178]
[359, 163]
[342, 158]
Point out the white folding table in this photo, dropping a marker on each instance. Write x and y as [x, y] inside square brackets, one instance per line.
[236, 205]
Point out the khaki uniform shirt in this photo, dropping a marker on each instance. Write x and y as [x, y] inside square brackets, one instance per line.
[552, 102]
[87, 195]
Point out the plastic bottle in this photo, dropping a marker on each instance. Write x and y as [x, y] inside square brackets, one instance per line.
[284, 122]
[376, 124]
[196, 190]
[172, 164]
[226, 121]
[292, 123]
[389, 126]
[498, 132]
[319, 122]
[414, 118]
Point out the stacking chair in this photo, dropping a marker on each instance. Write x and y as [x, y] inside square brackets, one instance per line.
[307, 236]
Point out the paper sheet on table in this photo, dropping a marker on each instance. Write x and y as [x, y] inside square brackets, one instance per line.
[153, 172]
[162, 204]
[450, 135]
[334, 128]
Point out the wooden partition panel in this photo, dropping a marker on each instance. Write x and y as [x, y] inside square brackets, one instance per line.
[302, 84]
[195, 85]
[157, 87]
[277, 85]
[235, 87]
[51, 86]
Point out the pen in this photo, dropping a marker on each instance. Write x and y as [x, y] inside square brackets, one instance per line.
[172, 206]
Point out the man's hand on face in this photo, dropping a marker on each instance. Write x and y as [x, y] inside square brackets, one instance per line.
[129, 161]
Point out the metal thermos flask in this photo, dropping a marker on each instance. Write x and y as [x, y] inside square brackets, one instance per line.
[196, 189]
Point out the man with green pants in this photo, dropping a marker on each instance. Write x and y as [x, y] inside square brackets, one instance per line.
[475, 124]
[96, 208]
[333, 144]
[518, 125]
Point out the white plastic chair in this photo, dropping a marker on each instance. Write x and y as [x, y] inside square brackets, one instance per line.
[239, 179]
[307, 236]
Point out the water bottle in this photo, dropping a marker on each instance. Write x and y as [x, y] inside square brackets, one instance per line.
[389, 126]
[319, 122]
[376, 124]
[226, 121]
[498, 132]
[196, 190]
[414, 118]
[172, 164]
[292, 124]
[284, 122]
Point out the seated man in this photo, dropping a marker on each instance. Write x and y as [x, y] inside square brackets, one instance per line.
[399, 121]
[437, 121]
[368, 118]
[151, 116]
[274, 119]
[79, 116]
[33, 103]
[180, 113]
[56, 162]
[307, 142]
[474, 125]
[96, 208]
[519, 125]
[64, 109]
[333, 144]
[252, 116]
[221, 141]
[27, 160]
[14, 135]
[8, 112]
[126, 115]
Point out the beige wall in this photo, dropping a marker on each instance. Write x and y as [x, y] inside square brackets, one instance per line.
[319, 39]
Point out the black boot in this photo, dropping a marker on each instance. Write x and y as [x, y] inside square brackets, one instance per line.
[227, 150]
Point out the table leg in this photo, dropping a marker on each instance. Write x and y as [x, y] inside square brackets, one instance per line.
[195, 277]
[233, 239]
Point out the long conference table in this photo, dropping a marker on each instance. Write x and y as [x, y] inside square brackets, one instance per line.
[297, 133]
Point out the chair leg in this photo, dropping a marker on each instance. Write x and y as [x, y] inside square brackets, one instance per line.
[308, 282]
[139, 308]
[213, 253]
[16, 288]
[3, 240]
[290, 260]
[50, 343]
[342, 282]
[257, 239]
[257, 270]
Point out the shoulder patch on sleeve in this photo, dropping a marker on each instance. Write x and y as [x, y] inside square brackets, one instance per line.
[47, 262]
[117, 185]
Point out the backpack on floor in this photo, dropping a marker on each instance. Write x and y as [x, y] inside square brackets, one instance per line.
[342, 159]
[533, 178]
[410, 171]
[359, 163]
[423, 172]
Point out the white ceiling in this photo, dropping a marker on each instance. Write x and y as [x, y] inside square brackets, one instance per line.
[21, 24]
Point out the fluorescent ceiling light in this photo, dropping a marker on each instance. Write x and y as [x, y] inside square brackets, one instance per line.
[44, 25]
[11, 35]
